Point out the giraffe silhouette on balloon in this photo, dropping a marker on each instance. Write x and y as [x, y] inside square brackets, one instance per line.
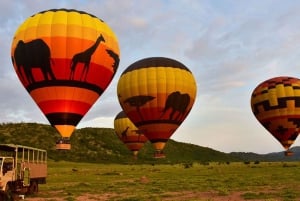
[85, 58]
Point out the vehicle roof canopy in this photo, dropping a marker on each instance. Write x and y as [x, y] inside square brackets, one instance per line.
[14, 147]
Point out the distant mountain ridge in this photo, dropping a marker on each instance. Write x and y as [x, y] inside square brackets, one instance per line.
[101, 145]
[274, 156]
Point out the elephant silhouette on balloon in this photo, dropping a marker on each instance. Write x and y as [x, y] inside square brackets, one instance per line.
[177, 103]
[33, 54]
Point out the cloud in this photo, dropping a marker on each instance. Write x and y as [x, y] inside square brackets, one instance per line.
[98, 122]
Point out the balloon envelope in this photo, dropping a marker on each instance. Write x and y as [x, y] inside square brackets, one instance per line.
[276, 105]
[157, 94]
[128, 133]
[65, 59]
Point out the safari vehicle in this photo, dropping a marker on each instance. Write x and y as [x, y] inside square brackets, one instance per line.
[22, 169]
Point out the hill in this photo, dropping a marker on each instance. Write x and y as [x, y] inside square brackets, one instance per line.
[102, 145]
[275, 156]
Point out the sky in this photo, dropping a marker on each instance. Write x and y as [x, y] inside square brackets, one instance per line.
[230, 46]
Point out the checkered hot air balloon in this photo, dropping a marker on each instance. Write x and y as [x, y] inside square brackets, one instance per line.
[276, 105]
[157, 94]
[65, 59]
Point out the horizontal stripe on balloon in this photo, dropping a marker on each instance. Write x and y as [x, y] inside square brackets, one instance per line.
[61, 118]
[158, 131]
[98, 73]
[64, 93]
[288, 133]
[156, 80]
[132, 131]
[64, 106]
[67, 46]
[158, 140]
[273, 95]
[267, 92]
[67, 83]
[261, 112]
[155, 62]
[136, 138]
[97, 78]
[63, 19]
[282, 116]
[121, 116]
[152, 115]
[279, 114]
[60, 30]
[162, 121]
[68, 11]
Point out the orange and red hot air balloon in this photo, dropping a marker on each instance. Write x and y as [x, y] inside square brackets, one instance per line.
[157, 94]
[129, 134]
[65, 59]
[276, 105]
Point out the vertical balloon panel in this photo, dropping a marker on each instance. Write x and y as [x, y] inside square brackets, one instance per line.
[157, 94]
[65, 59]
[128, 133]
[276, 105]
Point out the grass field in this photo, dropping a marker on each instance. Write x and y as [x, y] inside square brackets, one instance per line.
[235, 181]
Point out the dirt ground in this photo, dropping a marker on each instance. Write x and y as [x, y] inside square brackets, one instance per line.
[174, 196]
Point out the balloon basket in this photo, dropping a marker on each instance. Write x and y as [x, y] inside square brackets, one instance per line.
[288, 153]
[159, 154]
[63, 144]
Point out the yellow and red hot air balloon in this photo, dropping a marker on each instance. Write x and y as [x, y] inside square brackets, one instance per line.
[129, 134]
[65, 59]
[157, 94]
[276, 105]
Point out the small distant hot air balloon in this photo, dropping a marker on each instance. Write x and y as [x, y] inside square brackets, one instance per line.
[65, 59]
[276, 105]
[129, 134]
[157, 94]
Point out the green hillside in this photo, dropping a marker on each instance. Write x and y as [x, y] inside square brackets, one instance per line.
[101, 145]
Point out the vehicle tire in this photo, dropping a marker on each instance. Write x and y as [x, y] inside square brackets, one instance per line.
[8, 196]
[2, 195]
[33, 188]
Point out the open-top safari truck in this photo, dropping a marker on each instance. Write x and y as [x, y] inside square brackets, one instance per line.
[22, 169]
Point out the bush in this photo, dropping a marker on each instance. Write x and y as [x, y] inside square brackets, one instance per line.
[188, 165]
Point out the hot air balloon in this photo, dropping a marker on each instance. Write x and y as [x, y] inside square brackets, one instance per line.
[276, 105]
[157, 94]
[128, 133]
[65, 59]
